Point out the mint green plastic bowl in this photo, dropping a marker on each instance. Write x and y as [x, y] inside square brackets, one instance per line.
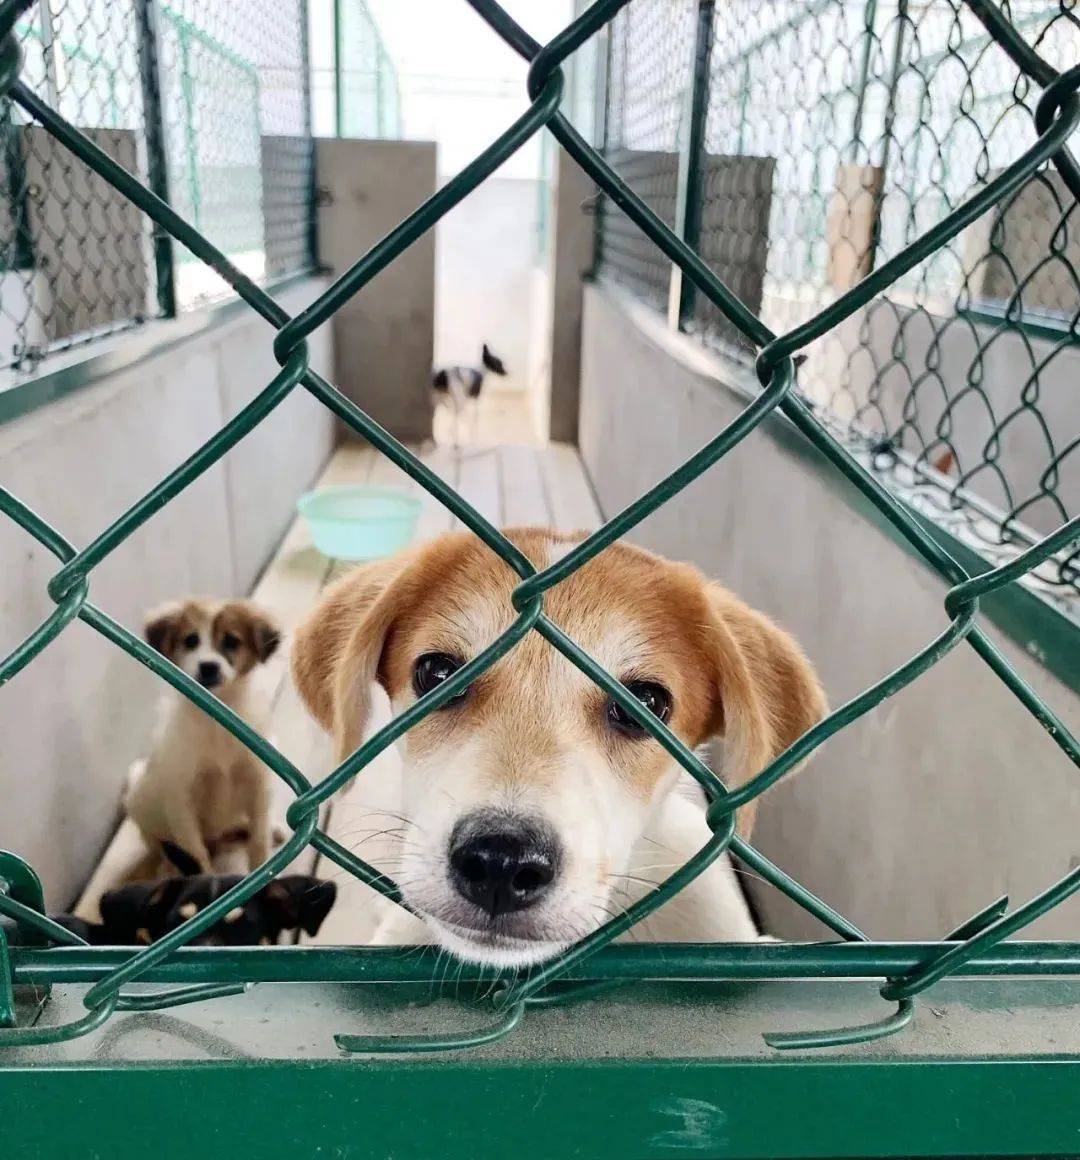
[360, 523]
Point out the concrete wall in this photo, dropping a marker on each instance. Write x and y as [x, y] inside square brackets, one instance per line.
[72, 721]
[485, 285]
[573, 232]
[541, 322]
[494, 286]
[943, 797]
[384, 336]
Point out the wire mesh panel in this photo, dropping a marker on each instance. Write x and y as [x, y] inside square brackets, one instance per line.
[783, 105]
[978, 945]
[838, 132]
[237, 135]
[368, 91]
[650, 44]
[962, 371]
[76, 258]
[216, 96]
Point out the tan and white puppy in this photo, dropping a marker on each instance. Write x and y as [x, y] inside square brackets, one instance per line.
[535, 808]
[201, 787]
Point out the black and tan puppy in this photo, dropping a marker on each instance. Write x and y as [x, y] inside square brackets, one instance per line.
[142, 912]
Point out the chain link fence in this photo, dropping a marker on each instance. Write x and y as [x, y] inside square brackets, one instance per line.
[205, 974]
[649, 48]
[831, 134]
[208, 104]
[367, 85]
[239, 151]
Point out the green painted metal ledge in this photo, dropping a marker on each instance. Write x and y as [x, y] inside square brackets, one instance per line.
[989, 1067]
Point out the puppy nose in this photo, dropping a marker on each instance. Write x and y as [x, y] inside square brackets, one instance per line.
[208, 673]
[503, 870]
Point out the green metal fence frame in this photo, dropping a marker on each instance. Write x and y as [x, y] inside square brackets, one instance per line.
[157, 174]
[610, 1108]
[978, 946]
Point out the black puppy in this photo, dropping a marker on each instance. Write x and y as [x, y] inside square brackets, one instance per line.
[143, 912]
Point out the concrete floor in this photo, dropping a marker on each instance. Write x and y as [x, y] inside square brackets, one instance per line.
[504, 417]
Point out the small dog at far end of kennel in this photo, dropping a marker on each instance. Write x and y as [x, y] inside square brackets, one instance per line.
[459, 389]
[533, 807]
[200, 784]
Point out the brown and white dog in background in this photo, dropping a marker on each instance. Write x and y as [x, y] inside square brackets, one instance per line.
[200, 786]
[533, 807]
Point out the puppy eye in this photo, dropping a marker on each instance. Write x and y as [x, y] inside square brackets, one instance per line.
[431, 670]
[191, 640]
[229, 642]
[654, 697]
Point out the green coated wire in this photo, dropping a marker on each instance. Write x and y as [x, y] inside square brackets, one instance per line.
[1057, 115]
[414, 1044]
[27, 916]
[618, 962]
[843, 1036]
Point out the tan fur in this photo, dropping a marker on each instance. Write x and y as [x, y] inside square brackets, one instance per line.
[201, 785]
[319, 645]
[781, 697]
[734, 673]
[731, 672]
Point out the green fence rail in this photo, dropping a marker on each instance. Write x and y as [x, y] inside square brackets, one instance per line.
[206, 973]
[802, 146]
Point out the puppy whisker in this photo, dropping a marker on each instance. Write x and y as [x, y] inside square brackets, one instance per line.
[634, 878]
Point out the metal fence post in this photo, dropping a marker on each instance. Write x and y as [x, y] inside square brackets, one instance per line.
[600, 137]
[190, 140]
[688, 199]
[313, 183]
[48, 51]
[889, 122]
[744, 103]
[156, 166]
[869, 24]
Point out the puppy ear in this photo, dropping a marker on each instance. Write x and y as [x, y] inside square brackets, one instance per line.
[265, 633]
[299, 901]
[162, 627]
[181, 859]
[255, 625]
[336, 651]
[768, 693]
[492, 361]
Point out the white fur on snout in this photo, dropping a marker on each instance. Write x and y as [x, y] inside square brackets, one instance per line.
[595, 819]
[190, 659]
[501, 953]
